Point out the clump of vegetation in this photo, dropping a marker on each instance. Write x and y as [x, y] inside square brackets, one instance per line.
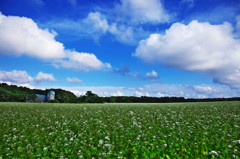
[190, 130]
[54, 101]
[14, 93]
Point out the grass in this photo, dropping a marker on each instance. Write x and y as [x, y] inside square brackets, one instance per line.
[181, 130]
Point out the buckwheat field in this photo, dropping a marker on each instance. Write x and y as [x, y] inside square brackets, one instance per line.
[181, 130]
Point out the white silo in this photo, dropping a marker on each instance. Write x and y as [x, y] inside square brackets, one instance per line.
[51, 95]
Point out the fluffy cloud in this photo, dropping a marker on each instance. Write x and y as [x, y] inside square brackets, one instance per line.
[152, 75]
[82, 62]
[143, 11]
[22, 77]
[202, 47]
[43, 77]
[15, 76]
[73, 80]
[97, 21]
[22, 36]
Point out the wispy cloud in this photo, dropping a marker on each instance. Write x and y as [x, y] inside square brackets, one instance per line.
[237, 30]
[140, 11]
[190, 3]
[97, 25]
[73, 80]
[38, 3]
[125, 71]
[215, 14]
[73, 2]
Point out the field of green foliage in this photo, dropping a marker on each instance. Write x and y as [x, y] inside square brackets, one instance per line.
[181, 130]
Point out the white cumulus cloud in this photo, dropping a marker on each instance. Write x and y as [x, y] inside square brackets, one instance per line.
[15, 76]
[22, 36]
[201, 47]
[44, 77]
[82, 62]
[73, 80]
[22, 77]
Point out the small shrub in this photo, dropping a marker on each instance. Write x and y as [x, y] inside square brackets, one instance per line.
[54, 101]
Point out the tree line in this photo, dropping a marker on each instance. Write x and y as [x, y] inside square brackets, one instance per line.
[13, 93]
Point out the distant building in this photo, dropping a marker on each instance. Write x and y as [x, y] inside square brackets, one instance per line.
[45, 98]
[51, 95]
[40, 98]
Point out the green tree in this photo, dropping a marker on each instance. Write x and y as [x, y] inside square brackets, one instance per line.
[112, 99]
[90, 94]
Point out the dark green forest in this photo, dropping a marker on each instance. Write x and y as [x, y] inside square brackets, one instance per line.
[13, 93]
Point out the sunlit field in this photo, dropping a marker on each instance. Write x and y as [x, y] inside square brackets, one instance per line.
[182, 130]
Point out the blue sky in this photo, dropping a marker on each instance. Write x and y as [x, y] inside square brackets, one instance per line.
[188, 48]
